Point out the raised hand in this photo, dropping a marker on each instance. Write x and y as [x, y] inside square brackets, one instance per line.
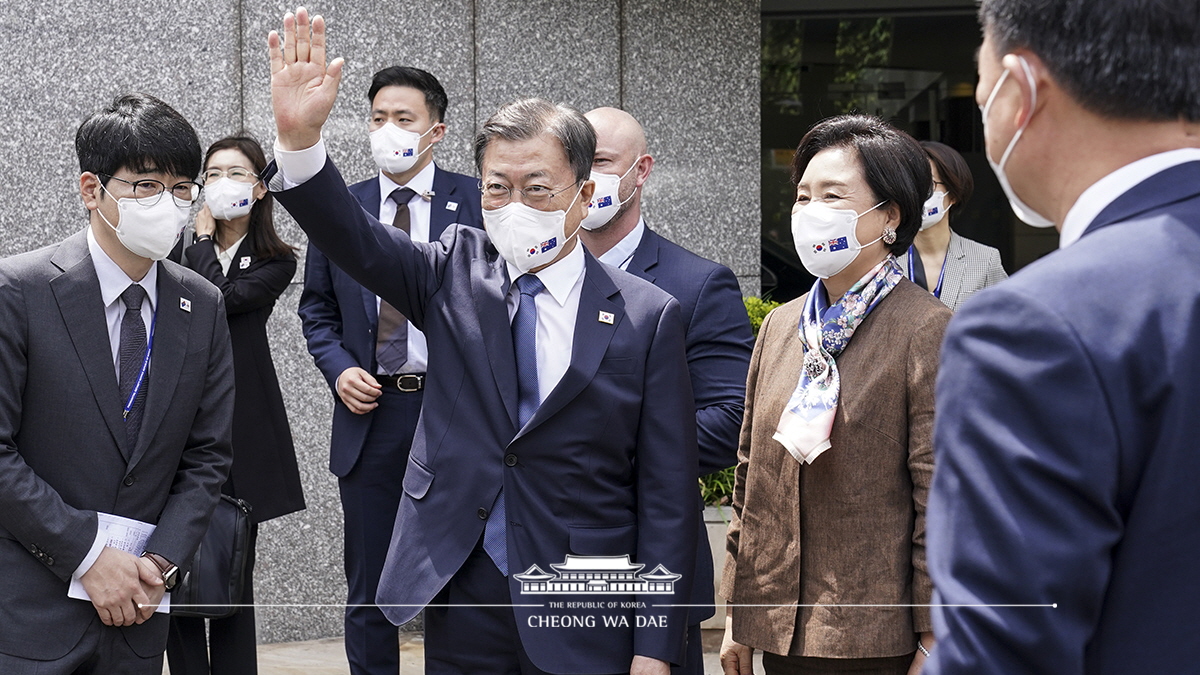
[303, 88]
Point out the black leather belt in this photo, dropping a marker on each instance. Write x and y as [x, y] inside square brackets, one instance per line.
[406, 382]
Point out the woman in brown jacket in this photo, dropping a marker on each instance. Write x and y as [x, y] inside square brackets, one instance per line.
[826, 567]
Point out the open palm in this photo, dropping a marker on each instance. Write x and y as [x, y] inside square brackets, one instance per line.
[303, 88]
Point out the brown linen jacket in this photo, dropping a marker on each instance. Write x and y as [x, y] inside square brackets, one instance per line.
[850, 527]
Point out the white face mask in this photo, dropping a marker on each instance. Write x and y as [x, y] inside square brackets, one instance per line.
[526, 237]
[228, 199]
[395, 150]
[606, 200]
[934, 210]
[825, 237]
[148, 231]
[1023, 211]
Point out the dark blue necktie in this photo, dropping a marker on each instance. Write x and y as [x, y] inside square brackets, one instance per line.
[524, 335]
[132, 351]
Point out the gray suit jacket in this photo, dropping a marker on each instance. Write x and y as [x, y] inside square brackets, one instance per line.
[63, 452]
[970, 267]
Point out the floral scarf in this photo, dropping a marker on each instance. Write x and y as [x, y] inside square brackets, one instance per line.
[825, 331]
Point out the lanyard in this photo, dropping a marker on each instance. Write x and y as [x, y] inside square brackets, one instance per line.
[912, 270]
[137, 385]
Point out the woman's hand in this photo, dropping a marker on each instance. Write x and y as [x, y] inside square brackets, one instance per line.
[205, 223]
[926, 640]
[736, 659]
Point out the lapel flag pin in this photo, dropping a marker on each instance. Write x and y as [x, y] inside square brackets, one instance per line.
[451, 206]
[185, 304]
[244, 263]
[606, 317]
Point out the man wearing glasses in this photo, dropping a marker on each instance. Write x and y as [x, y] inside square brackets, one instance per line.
[115, 404]
[372, 358]
[558, 431]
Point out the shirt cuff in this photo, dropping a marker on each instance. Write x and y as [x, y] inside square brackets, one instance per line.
[297, 166]
[92, 555]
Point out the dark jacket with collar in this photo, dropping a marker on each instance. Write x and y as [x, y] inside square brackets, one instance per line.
[63, 450]
[339, 316]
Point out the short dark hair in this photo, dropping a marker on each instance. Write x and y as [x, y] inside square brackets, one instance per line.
[140, 133]
[422, 81]
[894, 165]
[530, 117]
[263, 236]
[953, 169]
[1123, 59]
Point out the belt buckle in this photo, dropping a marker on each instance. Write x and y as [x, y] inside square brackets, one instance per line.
[409, 383]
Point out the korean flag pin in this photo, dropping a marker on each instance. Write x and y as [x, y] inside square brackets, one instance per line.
[244, 262]
[451, 206]
[606, 317]
[185, 304]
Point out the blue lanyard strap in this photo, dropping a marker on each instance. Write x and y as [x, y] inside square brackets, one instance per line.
[137, 385]
[912, 271]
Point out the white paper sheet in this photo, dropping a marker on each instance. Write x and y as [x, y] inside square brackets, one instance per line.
[130, 536]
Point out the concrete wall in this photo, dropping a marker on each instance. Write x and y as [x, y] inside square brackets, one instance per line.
[688, 69]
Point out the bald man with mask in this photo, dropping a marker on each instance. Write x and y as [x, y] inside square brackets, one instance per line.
[719, 341]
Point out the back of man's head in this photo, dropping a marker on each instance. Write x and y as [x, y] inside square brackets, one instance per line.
[1125, 59]
[140, 133]
[423, 81]
[531, 117]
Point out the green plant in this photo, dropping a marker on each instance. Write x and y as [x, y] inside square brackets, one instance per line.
[717, 488]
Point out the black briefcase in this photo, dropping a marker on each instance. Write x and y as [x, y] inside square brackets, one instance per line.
[212, 587]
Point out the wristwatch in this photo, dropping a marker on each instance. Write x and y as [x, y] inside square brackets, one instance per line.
[168, 570]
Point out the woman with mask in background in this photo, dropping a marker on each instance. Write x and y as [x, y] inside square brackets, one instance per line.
[835, 458]
[948, 265]
[235, 246]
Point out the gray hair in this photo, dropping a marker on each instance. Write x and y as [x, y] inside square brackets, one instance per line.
[528, 118]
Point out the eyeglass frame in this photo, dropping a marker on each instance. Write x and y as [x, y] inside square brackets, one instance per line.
[224, 173]
[198, 188]
[524, 197]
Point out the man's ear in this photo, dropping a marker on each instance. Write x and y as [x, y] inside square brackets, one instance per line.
[1024, 66]
[90, 190]
[438, 133]
[645, 165]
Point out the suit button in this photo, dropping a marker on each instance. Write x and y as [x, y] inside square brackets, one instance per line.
[49, 561]
[482, 513]
[510, 460]
[130, 480]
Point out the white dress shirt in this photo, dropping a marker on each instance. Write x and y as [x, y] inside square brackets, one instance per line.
[1106, 190]
[620, 254]
[225, 258]
[557, 310]
[557, 307]
[113, 282]
[418, 230]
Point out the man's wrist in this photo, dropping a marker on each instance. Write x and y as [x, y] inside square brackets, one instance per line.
[168, 569]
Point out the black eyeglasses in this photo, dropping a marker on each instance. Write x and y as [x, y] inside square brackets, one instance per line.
[148, 191]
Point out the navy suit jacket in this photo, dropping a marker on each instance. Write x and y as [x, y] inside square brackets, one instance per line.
[605, 467]
[339, 316]
[719, 345]
[1068, 469]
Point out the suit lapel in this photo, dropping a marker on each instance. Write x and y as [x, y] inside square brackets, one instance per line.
[441, 217]
[77, 291]
[171, 328]
[590, 343]
[243, 251]
[489, 283]
[645, 258]
[952, 282]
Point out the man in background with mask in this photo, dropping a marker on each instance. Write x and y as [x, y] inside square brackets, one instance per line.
[373, 359]
[719, 341]
[1066, 405]
[558, 428]
[115, 404]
